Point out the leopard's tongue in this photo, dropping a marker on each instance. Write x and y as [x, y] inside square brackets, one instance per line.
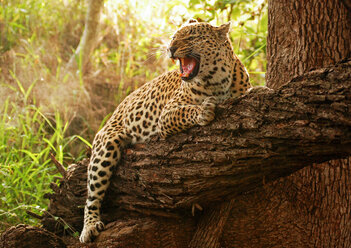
[188, 65]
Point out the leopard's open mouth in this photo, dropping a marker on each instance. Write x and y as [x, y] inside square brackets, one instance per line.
[189, 67]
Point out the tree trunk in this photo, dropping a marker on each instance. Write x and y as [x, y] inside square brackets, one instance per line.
[88, 40]
[253, 141]
[313, 205]
[304, 35]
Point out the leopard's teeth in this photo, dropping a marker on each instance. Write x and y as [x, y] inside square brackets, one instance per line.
[184, 74]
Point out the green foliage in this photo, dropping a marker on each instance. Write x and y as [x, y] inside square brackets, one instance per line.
[33, 20]
[27, 137]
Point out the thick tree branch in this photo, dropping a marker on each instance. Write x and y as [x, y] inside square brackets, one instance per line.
[255, 139]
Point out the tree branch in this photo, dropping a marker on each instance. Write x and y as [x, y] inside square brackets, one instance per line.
[254, 139]
[259, 137]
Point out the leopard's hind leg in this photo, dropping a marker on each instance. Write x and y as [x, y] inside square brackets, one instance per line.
[106, 154]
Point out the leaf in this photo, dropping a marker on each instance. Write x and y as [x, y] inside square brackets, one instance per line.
[105, 120]
[255, 52]
[20, 86]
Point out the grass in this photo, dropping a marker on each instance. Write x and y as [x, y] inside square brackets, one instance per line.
[27, 137]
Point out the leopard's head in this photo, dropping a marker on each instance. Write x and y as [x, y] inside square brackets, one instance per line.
[202, 50]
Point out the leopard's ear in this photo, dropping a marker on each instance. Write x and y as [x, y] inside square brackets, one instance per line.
[191, 20]
[223, 30]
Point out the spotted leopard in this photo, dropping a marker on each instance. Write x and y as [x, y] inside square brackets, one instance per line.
[210, 73]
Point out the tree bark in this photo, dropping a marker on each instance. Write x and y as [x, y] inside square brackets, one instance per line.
[254, 140]
[88, 40]
[24, 236]
[304, 35]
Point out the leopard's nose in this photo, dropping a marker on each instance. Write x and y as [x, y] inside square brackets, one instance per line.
[171, 52]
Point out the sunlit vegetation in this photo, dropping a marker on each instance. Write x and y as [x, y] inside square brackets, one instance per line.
[45, 108]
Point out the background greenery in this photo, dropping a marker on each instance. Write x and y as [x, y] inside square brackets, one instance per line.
[44, 108]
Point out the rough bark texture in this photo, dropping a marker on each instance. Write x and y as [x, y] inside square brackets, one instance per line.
[304, 35]
[254, 140]
[24, 236]
[347, 4]
[292, 212]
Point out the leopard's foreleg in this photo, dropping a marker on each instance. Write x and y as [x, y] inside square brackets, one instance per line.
[106, 154]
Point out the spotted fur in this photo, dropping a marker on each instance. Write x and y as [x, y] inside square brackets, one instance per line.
[165, 106]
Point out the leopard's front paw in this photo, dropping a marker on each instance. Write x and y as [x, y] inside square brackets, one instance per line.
[90, 231]
[207, 115]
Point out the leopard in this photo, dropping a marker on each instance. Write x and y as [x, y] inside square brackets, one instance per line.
[209, 73]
